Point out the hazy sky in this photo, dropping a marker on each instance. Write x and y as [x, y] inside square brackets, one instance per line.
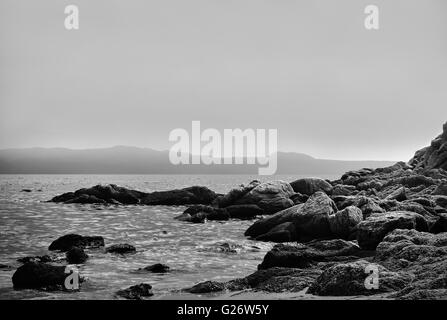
[135, 70]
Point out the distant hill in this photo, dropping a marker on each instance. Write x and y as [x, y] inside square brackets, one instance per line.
[133, 160]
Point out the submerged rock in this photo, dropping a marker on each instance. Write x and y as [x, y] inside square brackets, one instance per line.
[136, 292]
[156, 268]
[121, 248]
[68, 241]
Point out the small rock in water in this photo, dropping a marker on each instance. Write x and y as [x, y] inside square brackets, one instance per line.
[206, 287]
[76, 255]
[5, 267]
[69, 241]
[156, 268]
[121, 248]
[136, 292]
[27, 190]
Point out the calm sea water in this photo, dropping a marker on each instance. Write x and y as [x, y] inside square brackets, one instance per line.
[28, 225]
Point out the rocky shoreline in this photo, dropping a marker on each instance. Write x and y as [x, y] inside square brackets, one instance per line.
[329, 233]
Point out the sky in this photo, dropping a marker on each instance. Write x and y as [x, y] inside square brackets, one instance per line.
[135, 70]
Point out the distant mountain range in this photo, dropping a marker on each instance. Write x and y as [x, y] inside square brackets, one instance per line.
[133, 160]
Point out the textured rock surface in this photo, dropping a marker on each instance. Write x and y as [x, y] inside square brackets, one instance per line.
[136, 292]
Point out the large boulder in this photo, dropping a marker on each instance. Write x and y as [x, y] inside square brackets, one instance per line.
[36, 275]
[69, 241]
[309, 186]
[348, 279]
[371, 231]
[270, 196]
[312, 219]
[306, 255]
[343, 223]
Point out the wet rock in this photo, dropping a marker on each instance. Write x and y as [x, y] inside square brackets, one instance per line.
[307, 255]
[309, 186]
[271, 197]
[343, 223]
[371, 232]
[36, 275]
[122, 248]
[136, 292]
[68, 241]
[76, 255]
[244, 211]
[156, 268]
[348, 279]
[26, 190]
[207, 287]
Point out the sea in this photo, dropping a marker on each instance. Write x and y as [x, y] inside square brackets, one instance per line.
[28, 224]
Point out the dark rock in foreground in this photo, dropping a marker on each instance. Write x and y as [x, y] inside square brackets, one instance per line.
[43, 259]
[35, 275]
[136, 292]
[69, 241]
[121, 248]
[76, 255]
[206, 287]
